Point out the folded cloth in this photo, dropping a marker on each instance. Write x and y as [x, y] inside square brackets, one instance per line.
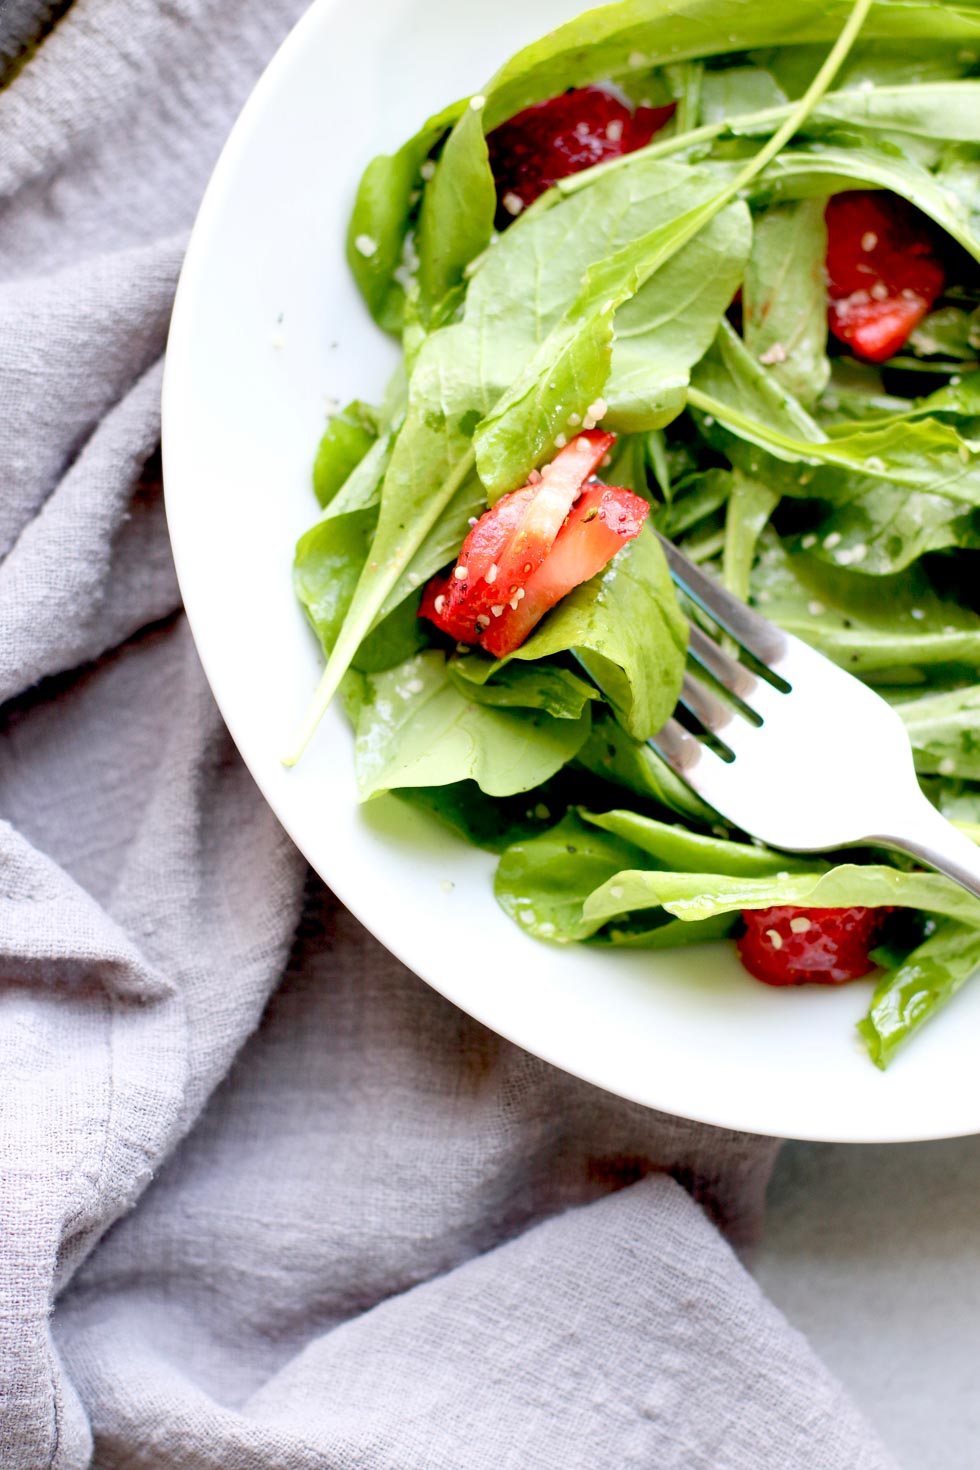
[369, 1234]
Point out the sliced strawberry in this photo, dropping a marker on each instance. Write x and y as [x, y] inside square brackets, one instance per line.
[883, 274]
[562, 136]
[599, 525]
[511, 540]
[791, 946]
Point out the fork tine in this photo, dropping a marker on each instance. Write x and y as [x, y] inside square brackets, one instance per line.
[756, 636]
[705, 706]
[732, 675]
[680, 750]
[697, 765]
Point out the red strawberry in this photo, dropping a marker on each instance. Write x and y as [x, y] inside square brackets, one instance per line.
[511, 540]
[553, 139]
[883, 274]
[532, 547]
[791, 946]
[599, 525]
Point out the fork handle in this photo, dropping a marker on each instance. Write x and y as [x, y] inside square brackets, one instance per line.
[928, 835]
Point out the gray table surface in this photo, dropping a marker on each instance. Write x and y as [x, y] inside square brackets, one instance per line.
[874, 1253]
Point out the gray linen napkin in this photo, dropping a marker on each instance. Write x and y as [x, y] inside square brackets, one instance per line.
[369, 1234]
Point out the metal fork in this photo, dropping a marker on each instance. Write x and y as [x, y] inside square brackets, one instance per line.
[806, 757]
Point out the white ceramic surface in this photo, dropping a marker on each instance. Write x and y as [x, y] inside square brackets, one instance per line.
[267, 326]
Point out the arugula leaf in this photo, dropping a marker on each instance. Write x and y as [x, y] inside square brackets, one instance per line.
[346, 440]
[440, 544]
[898, 486]
[627, 631]
[733, 90]
[749, 507]
[926, 455]
[380, 219]
[704, 895]
[785, 297]
[943, 110]
[456, 218]
[560, 384]
[415, 728]
[612, 40]
[685, 851]
[685, 81]
[670, 323]
[945, 732]
[885, 530]
[397, 637]
[913, 993]
[328, 562]
[893, 628]
[536, 287]
[526, 686]
[948, 332]
[695, 499]
[797, 174]
[751, 398]
[875, 61]
[490, 822]
[615, 756]
[542, 882]
[527, 410]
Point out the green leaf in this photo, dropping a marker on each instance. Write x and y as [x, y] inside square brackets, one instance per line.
[615, 39]
[670, 323]
[913, 993]
[441, 543]
[732, 90]
[526, 686]
[704, 895]
[785, 297]
[945, 732]
[944, 111]
[416, 729]
[564, 378]
[626, 629]
[328, 563]
[610, 283]
[490, 822]
[899, 487]
[756, 407]
[895, 628]
[948, 332]
[542, 883]
[927, 455]
[548, 297]
[749, 507]
[380, 220]
[456, 218]
[695, 499]
[886, 530]
[685, 81]
[615, 756]
[797, 174]
[684, 851]
[397, 637]
[346, 440]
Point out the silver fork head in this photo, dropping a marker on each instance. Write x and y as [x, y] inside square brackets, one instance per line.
[807, 757]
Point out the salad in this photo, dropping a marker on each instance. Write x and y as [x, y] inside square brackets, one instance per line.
[710, 268]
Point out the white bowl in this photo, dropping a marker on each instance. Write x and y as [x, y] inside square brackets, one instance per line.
[266, 327]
